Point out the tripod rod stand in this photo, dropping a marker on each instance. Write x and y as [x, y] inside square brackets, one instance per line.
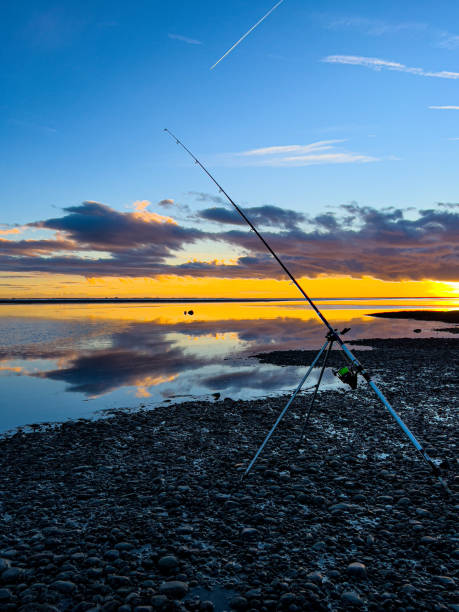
[316, 388]
[287, 405]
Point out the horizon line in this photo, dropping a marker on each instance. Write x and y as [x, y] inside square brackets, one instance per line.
[105, 300]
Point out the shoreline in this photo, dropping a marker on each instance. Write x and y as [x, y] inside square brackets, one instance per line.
[444, 316]
[148, 508]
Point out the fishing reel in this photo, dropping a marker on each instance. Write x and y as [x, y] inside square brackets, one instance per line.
[347, 375]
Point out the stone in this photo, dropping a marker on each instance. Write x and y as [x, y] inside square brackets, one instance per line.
[445, 581]
[168, 563]
[357, 570]
[4, 564]
[116, 581]
[249, 533]
[64, 586]
[159, 601]
[238, 603]
[351, 598]
[315, 577]
[12, 574]
[175, 589]
[5, 595]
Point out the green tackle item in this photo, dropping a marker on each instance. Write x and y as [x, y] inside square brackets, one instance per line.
[347, 376]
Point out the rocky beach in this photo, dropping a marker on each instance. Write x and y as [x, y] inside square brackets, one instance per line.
[147, 510]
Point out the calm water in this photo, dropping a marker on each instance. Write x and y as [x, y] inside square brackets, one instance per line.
[70, 361]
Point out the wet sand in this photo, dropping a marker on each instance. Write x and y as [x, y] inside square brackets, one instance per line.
[147, 510]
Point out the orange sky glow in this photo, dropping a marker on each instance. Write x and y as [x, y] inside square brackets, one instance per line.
[62, 286]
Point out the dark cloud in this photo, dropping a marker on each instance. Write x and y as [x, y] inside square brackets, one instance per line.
[99, 227]
[389, 243]
[271, 216]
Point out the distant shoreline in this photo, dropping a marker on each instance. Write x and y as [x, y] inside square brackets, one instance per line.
[451, 316]
[197, 300]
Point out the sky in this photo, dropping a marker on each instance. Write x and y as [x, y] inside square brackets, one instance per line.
[334, 125]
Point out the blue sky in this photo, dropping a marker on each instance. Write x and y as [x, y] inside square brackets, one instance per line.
[325, 108]
[88, 87]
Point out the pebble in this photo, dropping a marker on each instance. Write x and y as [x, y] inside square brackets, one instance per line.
[357, 570]
[168, 563]
[63, 586]
[5, 595]
[175, 589]
[445, 581]
[249, 533]
[239, 603]
[138, 510]
[352, 598]
[12, 574]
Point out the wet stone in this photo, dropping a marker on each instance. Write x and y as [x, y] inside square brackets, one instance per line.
[315, 577]
[357, 570]
[445, 581]
[239, 603]
[175, 589]
[159, 601]
[12, 574]
[249, 533]
[64, 586]
[5, 595]
[351, 598]
[168, 563]
[287, 599]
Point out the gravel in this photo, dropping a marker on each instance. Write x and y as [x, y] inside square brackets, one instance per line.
[148, 511]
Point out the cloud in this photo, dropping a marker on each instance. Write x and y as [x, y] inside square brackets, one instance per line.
[320, 152]
[94, 240]
[190, 41]
[207, 197]
[375, 27]
[380, 64]
[166, 203]
[445, 107]
[97, 226]
[378, 27]
[260, 215]
[449, 41]
[141, 212]
[5, 230]
[321, 145]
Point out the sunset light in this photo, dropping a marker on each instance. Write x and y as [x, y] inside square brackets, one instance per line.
[229, 305]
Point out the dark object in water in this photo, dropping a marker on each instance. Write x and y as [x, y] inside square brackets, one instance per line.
[216, 396]
[191, 312]
[417, 330]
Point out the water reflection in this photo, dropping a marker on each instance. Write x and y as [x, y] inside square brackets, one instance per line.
[52, 358]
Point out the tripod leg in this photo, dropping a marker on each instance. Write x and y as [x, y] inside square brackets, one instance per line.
[287, 405]
[327, 354]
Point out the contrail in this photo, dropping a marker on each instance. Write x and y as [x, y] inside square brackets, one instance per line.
[247, 33]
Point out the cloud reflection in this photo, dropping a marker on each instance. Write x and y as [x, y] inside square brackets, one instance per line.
[146, 354]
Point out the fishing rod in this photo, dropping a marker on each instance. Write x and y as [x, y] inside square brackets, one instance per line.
[332, 333]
